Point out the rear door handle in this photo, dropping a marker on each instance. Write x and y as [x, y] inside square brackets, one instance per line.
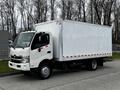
[48, 51]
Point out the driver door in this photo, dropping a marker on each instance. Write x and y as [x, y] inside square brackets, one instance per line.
[41, 48]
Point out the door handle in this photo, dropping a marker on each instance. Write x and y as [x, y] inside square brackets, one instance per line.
[48, 51]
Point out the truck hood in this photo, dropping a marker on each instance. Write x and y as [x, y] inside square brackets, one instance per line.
[19, 51]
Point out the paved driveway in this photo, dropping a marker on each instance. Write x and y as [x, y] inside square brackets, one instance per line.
[105, 78]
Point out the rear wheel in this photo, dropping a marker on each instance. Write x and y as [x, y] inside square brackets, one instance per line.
[44, 71]
[92, 65]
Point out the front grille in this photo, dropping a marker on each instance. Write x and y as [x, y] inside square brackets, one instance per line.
[16, 57]
[15, 61]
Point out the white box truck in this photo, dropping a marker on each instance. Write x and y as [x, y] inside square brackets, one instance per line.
[59, 44]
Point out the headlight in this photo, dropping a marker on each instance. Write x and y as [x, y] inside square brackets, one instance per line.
[26, 59]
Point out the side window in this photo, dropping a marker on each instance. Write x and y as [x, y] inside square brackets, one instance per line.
[44, 39]
[36, 42]
[40, 40]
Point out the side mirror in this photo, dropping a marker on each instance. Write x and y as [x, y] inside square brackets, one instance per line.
[39, 49]
[10, 43]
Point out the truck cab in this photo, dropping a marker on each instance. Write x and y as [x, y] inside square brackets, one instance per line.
[32, 50]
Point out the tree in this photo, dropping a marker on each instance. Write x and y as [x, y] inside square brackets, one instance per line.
[10, 16]
[2, 16]
[79, 8]
[52, 7]
[40, 12]
[84, 11]
[67, 9]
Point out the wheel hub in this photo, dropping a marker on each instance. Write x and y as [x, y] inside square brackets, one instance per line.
[94, 64]
[45, 71]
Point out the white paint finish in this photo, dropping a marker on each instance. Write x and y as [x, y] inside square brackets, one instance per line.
[85, 57]
[70, 38]
[36, 57]
[77, 38]
[54, 28]
[23, 66]
[20, 51]
[85, 39]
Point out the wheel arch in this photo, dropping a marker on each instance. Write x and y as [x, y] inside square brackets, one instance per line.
[46, 61]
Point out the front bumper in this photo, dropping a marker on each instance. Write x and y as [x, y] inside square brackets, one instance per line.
[19, 66]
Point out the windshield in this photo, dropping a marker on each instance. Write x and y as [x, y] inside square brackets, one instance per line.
[23, 40]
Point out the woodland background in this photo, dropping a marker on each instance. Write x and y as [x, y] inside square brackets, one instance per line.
[21, 15]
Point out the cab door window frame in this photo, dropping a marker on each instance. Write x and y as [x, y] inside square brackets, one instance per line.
[43, 39]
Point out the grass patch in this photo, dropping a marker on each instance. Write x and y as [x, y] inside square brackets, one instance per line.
[4, 67]
[116, 55]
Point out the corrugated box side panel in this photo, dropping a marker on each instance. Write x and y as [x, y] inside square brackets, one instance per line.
[83, 40]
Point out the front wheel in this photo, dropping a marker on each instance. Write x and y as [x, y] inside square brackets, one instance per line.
[44, 71]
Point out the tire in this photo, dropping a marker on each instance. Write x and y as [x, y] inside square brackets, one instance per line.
[44, 71]
[92, 65]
